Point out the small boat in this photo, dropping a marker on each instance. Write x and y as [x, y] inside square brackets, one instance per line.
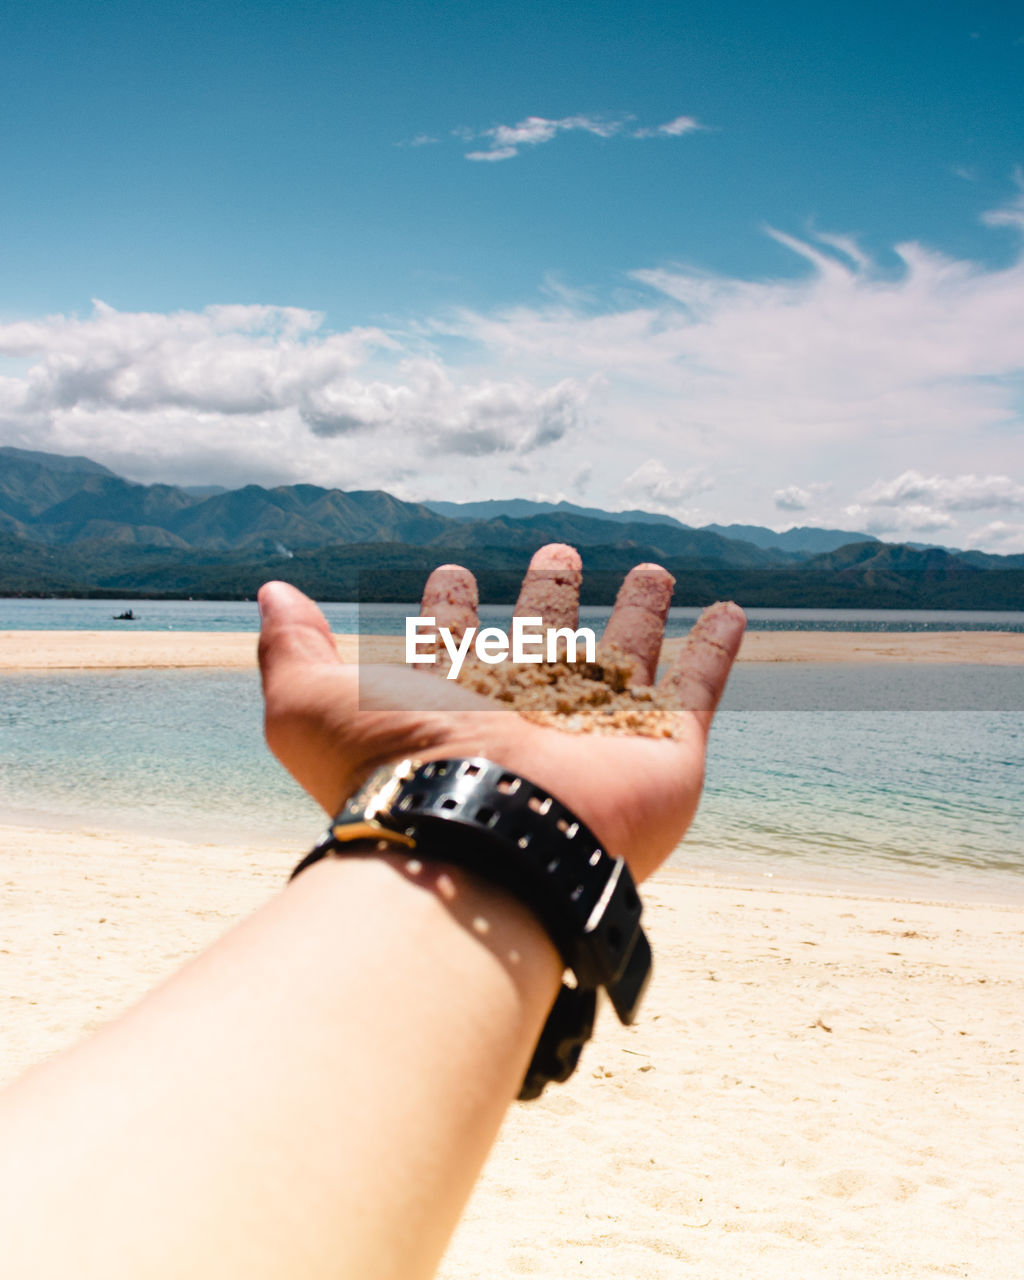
[127, 616]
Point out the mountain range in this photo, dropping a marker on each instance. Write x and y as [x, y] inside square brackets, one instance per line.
[804, 541]
[71, 526]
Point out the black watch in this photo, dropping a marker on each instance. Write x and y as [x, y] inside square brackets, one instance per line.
[475, 814]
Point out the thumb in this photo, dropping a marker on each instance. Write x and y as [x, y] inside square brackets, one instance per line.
[293, 632]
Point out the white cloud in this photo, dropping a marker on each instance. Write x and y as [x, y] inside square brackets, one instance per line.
[889, 402]
[262, 388]
[1012, 214]
[801, 497]
[504, 140]
[671, 129]
[535, 129]
[849, 371]
[661, 489]
[947, 493]
[792, 498]
[1000, 537]
[914, 504]
[420, 140]
[496, 153]
[915, 518]
[846, 245]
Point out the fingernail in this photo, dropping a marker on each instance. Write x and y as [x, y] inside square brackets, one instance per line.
[723, 621]
[266, 599]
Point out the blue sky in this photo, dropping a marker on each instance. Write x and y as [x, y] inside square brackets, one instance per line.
[733, 262]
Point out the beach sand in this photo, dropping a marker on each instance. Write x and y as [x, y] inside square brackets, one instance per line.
[86, 650]
[819, 1084]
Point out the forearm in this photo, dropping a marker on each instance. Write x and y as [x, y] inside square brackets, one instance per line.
[314, 1096]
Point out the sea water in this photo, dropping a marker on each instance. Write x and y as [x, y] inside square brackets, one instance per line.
[389, 619]
[876, 777]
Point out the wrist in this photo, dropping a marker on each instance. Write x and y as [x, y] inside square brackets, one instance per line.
[499, 826]
[446, 930]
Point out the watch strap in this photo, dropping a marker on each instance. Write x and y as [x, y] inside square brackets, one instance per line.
[477, 815]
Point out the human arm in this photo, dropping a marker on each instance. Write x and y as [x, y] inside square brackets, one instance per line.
[315, 1095]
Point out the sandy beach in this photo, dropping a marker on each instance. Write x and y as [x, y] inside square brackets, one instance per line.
[819, 1084]
[82, 650]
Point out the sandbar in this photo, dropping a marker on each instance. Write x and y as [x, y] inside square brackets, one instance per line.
[819, 1083]
[106, 650]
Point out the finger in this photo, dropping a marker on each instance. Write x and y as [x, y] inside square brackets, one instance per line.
[450, 598]
[637, 623]
[293, 632]
[696, 679]
[551, 587]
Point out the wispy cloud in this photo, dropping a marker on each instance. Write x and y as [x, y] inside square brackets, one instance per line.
[843, 373]
[671, 129]
[910, 521]
[657, 488]
[948, 493]
[505, 141]
[887, 401]
[999, 537]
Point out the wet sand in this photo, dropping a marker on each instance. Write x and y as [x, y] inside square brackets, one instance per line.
[93, 650]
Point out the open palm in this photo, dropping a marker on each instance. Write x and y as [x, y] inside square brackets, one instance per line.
[637, 794]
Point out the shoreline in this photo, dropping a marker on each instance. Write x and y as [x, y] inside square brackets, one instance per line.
[817, 1082]
[108, 650]
[692, 864]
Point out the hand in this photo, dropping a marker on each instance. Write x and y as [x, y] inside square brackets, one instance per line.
[637, 794]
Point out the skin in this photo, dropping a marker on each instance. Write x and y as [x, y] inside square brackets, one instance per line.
[638, 619]
[638, 794]
[551, 588]
[315, 1095]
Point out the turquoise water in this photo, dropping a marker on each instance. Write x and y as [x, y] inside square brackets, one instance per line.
[875, 798]
[181, 751]
[878, 778]
[352, 619]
